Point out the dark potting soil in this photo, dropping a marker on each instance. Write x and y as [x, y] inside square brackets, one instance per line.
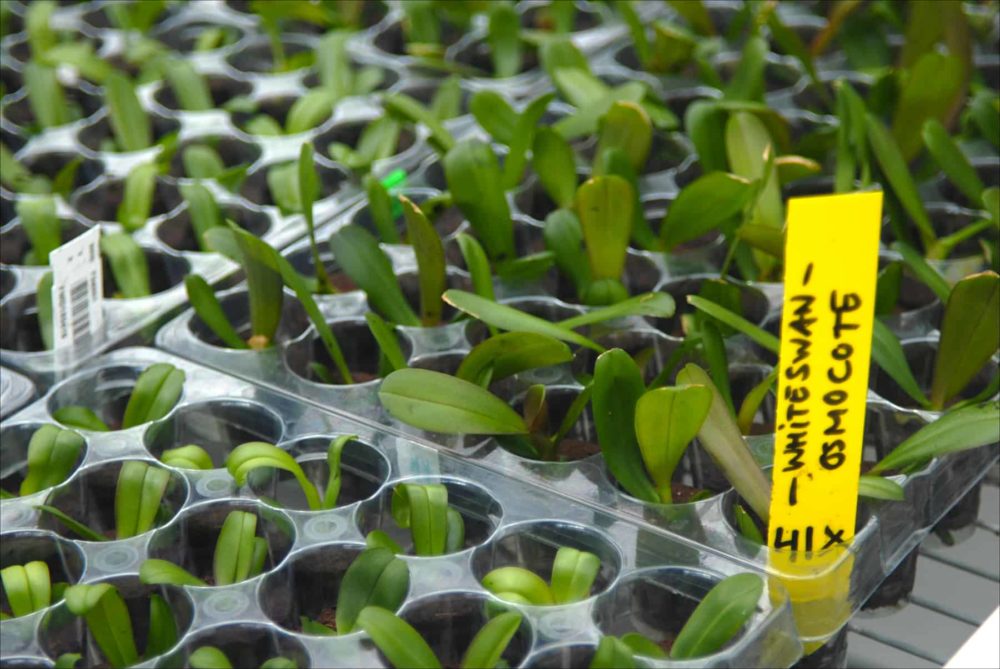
[576, 449]
[341, 282]
[328, 617]
[362, 377]
[683, 494]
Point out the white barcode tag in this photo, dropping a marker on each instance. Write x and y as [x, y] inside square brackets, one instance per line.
[77, 293]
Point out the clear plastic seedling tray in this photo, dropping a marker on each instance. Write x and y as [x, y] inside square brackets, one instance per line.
[648, 576]
[16, 390]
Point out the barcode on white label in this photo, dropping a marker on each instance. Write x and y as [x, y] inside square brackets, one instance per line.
[77, 295]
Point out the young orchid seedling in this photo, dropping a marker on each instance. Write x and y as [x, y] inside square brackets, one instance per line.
[210, 657]
[138, 503]
[435, 527]
[53, 452]
[404, 647]
[202, 161]
[239, 555]
[109, 623]
[17, 178]
[254, 455]
[155, 393]
[28, 588]
[573, 575]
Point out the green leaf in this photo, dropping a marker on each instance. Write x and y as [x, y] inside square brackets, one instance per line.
[524, 136]
[380, 210]
[234, 548]
[155, 393]
[334, 64]
[67, 660]
[553, 161]
[641, 645]
[208, 657]
[738, 323]
[748, 146]
[308, 184]
[38, 26]
[877, 487]
[518, 585]
[430, 262]
[487, 647]
[387, 341]
[983, 112]
[753, 400]
[923, 271]
[201, 162]
[80, 417]
[398, 641]
[107, 619]
[573, 574]
[375, 578]
[379, 539]
[209, 310]
[492, 111]
[666, 421]
[129, 121]
[951, 160]
[504, 39]
[162, 627]
[510, 353]
[359, 255]
[447, 101]
[377, 142]
[887, 353]
[423, 509]
[612, 653]
[127, 261]
[721, 614]
[852, 142]
[746, 525]
[564, 237]
[970, 335]
[187, 457]
[153, 572]
[618, 386]
[45, 95]
[188, 85]
[138, 495]
[748, 80]
[405, 108]
[932, 88]
[720, 436]
[28, 587]
[627, 128]
[41, 225]
[604, 205]
[52, 454]
[202, 210]
[255, 454]
[704, 205]
[74, 525]
[477, 264]
[279, 663]
[893, 165]
[508, 318]
[309, 111]
[333, 484]
[474, 180]
[263, 126]
[442, 403]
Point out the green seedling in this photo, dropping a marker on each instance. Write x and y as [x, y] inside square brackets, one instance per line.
[515, 130]
[19, 179]
[131, 126]
[42, 227]
[53, 453]
[50, 106]
[203, 211]
[51, 47]
[378, 141]
[155, 393]
[110, 625]
[190, 456]
[254, 455]
[127, 261]
[435, 527]
[210, 657]
[138, 503]
[573, 575]
[407, 110]
[202, 161]
[404, 647]
[375, 578]
[239, 555]
[28, 588]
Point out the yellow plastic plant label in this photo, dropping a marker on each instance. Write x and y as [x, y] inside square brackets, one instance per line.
[831, 262]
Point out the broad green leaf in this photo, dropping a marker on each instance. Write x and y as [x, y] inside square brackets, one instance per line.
[380, 207]
[45, 95]
[442, 403]
[405, 108]
[38, 26]
[553, 161]
[704, 205]
[202, 210]
[721, 614]
[234, 548]
[80, 417]
[951, 160]
[720, 436]
[477, 264]
[189, 87]
[589, 111]
[162, 571]
[137, 200]
[932, 88]
[127, 261]
[334, 65]
[617, 388]
[612, 653]
[748, 145]
[509, 353]
[107, 619]
[735, 321]
[970, 335]
[474, 180]
[430, 262]
[564, 237]
[877, 487]
[753, 400]
[641, 645]
[508, 318]
[155, 393]
[187, 457]
[283, 184]
[377, 142]
[893, 165]
[52, 453]
[705, 123]
[887, 353]
[523, 139]
[380, 539]
[201, 162]
[487, 647]
[255, 454]
[128, 119]
[74, 525]
[209, 310]
[503, 36]
[969, 427]
[162, 633]
[400, 643]
[746, 525]
[138, 495]
[375, 578]
[263, 126]
[41, 225]
[573, 574]
[748, 80]
[423, 508]
[264, 281]
[447, 101]
[309, 111]
[666, 421]
[359, 255]
[558, 53]
[626, 127]
[524, 585]
[923, 271]
[495, 115]
[28, 587]
[604, 206]
[387, 341]
[208, 657]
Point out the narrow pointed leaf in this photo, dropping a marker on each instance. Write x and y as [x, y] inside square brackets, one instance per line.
[564, 237]
[162, 571]
[704, 205]
[430, 261]
[202, 210]
[751, 403]
[951, 160]
[234, 548]
[477, 264]
[162, 627]
[358, 253]
[375, 578]
[888, 354]
[45, 95]
[491, 641]
[721, 614]
[510, 353]
[524, 136]
[655, 305]
[74, 525]
[80, 417]
[474, 177]
[129, 120]
[923, 271]
[127, 261]
[52, 453]
[188, 85]
[333, 454]
[406, 108]
[387, 341]
[249, 456]
[738, 323]
[400, 643]
[210, 311]
[107, 619]
[877, 487]
[553, 161]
